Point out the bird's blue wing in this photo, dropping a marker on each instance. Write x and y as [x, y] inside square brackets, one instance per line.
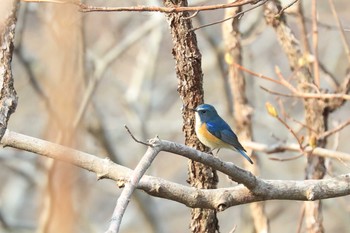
[230, 137]
[215, 128]
[222, 130]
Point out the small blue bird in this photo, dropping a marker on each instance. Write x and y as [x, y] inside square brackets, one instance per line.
[214, 132]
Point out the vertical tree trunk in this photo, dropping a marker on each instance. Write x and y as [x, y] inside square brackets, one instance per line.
[63, 54]
[316, 111]
[242, 109]
[8, 95]
[190, 88]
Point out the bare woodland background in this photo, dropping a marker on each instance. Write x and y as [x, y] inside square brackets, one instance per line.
[58, 50]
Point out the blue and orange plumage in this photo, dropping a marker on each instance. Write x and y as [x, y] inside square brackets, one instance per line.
[214, 132]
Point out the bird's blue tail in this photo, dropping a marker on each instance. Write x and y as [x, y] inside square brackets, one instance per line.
[245, 156]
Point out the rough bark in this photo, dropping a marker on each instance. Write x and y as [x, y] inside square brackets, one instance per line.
[8, 95]
[190, 88]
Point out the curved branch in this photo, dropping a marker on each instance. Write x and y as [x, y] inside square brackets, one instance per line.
[222, 198]
[218, 199]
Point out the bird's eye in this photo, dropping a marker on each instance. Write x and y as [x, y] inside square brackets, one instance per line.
[204, 111]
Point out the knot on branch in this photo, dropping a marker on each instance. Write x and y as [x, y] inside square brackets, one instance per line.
[121, 182]
[154, 142]
[222, 200]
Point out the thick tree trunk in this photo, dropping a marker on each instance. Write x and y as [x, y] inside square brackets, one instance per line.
[190, 88]
[8, 95]
[65, 67]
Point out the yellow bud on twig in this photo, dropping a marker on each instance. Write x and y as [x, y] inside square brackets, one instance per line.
[271, 109]
[313, 142]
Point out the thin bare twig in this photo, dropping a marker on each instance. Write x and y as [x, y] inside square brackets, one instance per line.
[315, 42]
[256, 74]
[329, 77]
[135, 139]
[341, 30]
[277, 93]
[192, 16]
[301, 123]
[335, 147]
[296, 93]
[310, 95]
[233, 229]
[311, 86]
[291, 131]
[286, 159]
[335, 130]
[238, 15]
[285, 8]
[284, 82]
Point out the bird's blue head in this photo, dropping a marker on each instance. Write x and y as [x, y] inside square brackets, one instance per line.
[206, 112]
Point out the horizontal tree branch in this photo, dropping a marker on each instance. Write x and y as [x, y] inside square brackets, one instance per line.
[219, 199]
[103, 169]
[280, 147]
[222, 198]
[88, 8]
